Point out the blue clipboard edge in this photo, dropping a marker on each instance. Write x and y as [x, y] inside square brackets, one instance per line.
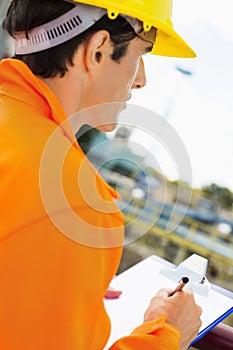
[211, 326]
[215, 287]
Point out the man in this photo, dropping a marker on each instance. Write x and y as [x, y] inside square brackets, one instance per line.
[61, 231]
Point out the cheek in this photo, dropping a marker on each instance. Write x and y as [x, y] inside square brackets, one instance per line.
[127, 77]
[117, 82]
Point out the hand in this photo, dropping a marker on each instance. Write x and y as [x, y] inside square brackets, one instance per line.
[181, 311]
[112, 293]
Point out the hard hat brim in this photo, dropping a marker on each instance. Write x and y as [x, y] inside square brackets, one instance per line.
[169, 43]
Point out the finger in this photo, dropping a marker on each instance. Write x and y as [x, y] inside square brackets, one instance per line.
[187, 290]
[163, 292]
[112, 293]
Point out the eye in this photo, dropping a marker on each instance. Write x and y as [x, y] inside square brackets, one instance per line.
[148, 49]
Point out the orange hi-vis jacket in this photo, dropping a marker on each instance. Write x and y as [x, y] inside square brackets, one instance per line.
[61, 232]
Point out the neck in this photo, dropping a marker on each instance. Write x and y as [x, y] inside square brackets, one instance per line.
[69, 98]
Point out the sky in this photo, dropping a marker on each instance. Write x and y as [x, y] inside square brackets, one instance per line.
[200, 106]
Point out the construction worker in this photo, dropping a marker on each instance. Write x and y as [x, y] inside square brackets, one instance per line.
[61, 233]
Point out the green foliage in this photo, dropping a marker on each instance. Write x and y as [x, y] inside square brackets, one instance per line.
[180, 183]
[222, 195]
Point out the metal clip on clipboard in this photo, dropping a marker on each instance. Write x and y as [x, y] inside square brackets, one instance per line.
[193, 267]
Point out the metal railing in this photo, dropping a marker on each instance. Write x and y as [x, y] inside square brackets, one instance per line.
[202, 238]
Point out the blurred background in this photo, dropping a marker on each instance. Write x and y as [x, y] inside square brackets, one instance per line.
[196, 98]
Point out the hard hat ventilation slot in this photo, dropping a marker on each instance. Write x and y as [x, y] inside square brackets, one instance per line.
[56, 32]
[59, 30]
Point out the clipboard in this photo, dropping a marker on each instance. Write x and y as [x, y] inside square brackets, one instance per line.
[141, 282]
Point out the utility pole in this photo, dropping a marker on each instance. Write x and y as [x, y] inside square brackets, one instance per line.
[180, 74]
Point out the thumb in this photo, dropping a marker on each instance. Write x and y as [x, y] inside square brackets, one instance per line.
[112, 293]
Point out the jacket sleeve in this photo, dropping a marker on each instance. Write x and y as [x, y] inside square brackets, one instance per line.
[156, 334]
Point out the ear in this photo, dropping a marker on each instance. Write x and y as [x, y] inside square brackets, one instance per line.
[98, 48]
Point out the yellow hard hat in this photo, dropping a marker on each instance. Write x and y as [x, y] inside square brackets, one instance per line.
[153, 13]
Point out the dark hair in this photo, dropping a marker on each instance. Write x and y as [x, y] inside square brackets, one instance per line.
[24, 15]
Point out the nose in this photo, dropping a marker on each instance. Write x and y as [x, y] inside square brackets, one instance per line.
[140, 79]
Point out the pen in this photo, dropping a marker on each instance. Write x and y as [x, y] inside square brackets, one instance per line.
[184, 280]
